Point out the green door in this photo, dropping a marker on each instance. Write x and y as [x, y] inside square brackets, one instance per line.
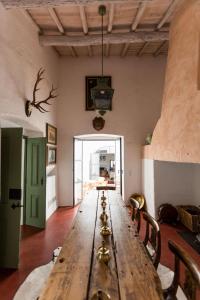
[11, 184]
[36, 182]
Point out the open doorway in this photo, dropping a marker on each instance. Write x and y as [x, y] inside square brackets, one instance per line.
[23, 188]
[97, 161]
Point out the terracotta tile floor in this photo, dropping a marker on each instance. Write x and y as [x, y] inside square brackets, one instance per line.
[36, 249]
[37, 246]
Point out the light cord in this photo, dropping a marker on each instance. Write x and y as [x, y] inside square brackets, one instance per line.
[102, 44]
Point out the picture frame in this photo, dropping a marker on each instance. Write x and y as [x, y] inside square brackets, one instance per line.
[51, 134]
[51, 155]
[90, 82]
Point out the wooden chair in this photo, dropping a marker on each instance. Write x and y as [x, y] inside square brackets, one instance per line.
[135, 213]
[192, 275]
[152, 240]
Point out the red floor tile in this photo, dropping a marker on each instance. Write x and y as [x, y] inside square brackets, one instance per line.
[36, 248]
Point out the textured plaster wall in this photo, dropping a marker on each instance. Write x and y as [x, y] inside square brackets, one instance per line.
[176, 136]
[20, 59]
[138, 84]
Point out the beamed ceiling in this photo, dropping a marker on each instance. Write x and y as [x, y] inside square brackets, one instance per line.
[73, 27]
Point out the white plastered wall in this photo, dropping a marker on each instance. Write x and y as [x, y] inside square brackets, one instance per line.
[170, 182]
[138, 84]
[21, 56]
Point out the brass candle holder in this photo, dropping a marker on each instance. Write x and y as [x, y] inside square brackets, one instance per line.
[103, 254]
[103, 204]
[101, 295]
[105, 230]
[104, 217]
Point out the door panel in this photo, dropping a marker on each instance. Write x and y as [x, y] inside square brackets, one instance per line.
[118, 165]
[36, 182]
[78, 171]
[11, 185]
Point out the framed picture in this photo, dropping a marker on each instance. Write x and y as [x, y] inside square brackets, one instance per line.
[51, 134]
[90, 82]
[51, 155]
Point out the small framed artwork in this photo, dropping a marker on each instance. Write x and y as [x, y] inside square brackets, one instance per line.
[51, 155]
[51, 134]
[90, 82]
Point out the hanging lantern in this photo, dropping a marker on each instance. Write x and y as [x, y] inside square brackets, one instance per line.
[102, 93]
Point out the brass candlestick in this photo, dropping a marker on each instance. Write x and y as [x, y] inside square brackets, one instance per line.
[103, 204]
[105, 230]
[101, 295]
[103, 254]
[104, 217]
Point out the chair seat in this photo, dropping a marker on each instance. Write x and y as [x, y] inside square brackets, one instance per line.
[166, 276]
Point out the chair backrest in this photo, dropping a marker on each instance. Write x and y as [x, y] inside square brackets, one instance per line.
[135, 213]
[192, 274]
[152, 240]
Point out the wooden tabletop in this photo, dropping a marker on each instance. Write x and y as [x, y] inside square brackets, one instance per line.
[78, 274]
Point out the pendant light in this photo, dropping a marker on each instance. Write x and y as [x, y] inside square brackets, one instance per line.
[102, 93]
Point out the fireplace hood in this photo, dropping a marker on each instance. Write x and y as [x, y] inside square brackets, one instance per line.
[177, 134]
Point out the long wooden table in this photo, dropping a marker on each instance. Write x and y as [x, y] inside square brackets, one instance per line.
[78, 274]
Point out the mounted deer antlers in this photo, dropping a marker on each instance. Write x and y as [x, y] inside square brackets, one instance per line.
[37, 104]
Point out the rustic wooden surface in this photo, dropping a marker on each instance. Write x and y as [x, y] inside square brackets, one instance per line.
[103, 276]
[137, 276]
[80, 18]
[70, 276]
[77, 273]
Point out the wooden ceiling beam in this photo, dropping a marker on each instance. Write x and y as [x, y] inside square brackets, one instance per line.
[54, 3]
[139, 15]
[111, 38]
[55, 18]
[73, 51]
[124, 50]
[83, 19]
[168, 14]
[142, 49]
[90, 52]
[160, 48]
[111, 17]
[31, 20]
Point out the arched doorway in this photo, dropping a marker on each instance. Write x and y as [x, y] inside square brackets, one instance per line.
[98, 160]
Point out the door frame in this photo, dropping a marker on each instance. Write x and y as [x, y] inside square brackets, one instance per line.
[76, 138]
[101, 138]
[24, 179]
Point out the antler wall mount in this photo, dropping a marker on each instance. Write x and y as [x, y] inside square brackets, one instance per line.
[37, 104]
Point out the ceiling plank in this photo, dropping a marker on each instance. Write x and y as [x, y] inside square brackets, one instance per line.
[168, 13]
[73, 51]
[31, 20]
[54, 16]
[160, 48]
[112, 38]
[139, 15]
[83, 19]
[90, 52]
[107, 51]
[111, 17]
[124, 49]
[142, 49]
[49, 3]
